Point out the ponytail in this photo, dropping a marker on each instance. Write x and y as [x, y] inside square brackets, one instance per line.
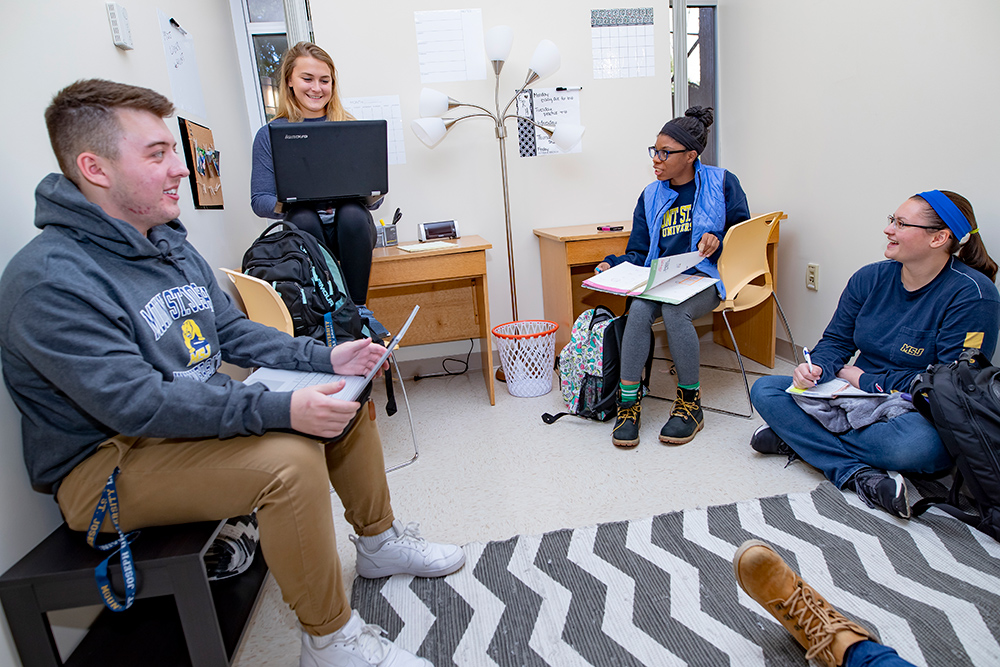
[973, 252]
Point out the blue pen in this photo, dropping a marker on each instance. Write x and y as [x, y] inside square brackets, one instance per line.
[805, 353]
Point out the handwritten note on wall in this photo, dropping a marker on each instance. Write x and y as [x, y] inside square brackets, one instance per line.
[548, 107]
[182, 68]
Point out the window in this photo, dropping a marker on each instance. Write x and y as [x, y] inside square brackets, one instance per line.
[701, 66]
[261, 42]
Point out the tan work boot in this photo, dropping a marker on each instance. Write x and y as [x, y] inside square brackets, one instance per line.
[823, 631]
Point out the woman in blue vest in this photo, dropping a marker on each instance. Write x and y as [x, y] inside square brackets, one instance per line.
[310, 93]
[687, 208]
[932, 297]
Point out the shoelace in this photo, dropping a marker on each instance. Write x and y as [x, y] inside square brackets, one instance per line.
[369, 641]
[819, 622]
[411, 533]
[371, 644]
[683, 409]
[626, 414]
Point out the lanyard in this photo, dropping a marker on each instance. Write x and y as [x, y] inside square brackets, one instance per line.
[109, 501]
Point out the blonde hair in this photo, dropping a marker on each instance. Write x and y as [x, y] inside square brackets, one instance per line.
[288, 106]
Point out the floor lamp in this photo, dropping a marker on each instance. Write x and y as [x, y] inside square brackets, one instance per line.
[431, 128]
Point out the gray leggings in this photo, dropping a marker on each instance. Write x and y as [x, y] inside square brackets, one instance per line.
[681, 335]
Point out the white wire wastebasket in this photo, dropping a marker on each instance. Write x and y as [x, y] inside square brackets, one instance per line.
[528, 354]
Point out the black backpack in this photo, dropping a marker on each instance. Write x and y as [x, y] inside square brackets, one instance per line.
[309, 280]
[590, 366]
[962, 400]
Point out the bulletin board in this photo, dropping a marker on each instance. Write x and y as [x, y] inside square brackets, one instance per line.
[203, 163]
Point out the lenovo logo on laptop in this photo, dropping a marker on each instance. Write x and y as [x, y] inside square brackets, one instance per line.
[296, 136]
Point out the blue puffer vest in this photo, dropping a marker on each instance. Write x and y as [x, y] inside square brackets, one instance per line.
[708, 214]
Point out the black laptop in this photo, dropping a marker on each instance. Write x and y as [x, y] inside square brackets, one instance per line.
[328, 161]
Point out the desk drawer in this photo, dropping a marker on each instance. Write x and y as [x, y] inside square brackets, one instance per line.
[592, 251]
[430, 268]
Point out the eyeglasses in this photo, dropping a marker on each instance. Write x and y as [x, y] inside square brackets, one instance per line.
[893, 222]
[663, 153]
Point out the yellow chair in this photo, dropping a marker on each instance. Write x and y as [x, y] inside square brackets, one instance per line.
[263, 304]
[742, 265]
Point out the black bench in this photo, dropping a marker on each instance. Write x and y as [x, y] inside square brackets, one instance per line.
[201, 626]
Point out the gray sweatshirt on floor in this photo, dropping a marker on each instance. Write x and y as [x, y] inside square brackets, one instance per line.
[106, 331]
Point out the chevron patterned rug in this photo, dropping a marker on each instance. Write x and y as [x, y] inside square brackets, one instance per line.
[661, 591]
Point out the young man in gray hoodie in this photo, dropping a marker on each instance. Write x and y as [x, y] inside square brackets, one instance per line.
[113, 331]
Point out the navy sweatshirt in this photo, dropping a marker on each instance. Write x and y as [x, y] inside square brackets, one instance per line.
[899, 333]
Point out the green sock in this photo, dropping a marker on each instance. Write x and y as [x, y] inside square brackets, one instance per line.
[689, 387]
[630, 392]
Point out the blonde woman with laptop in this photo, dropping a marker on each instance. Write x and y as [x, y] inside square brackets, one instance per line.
[309, 93]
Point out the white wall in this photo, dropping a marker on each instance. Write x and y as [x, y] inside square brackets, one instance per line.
[48, 45]
[836, 112]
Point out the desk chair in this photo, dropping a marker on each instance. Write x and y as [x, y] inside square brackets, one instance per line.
[263, 304]
[743, 263]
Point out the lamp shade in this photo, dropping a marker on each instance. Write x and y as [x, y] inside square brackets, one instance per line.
[567, 135]
[545, 59]
[429, 130]
[498, 42]
[433, 102]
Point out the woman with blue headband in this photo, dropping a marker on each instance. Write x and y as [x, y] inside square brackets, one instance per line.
[932, 297]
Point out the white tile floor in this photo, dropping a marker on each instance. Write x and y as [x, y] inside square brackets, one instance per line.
[488, 473]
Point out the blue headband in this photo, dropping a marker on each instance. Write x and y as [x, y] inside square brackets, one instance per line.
[950, 213]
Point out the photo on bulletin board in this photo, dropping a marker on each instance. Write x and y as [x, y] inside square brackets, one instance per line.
[203, 163]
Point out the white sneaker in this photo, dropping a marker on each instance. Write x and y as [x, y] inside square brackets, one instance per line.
[408, 553]
[356, 645]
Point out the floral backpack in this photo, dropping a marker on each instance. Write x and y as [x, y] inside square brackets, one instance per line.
[589, 366]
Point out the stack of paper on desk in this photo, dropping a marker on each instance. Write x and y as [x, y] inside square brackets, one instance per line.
[664, 281]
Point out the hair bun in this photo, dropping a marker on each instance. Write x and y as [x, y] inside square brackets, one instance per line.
[704, 115]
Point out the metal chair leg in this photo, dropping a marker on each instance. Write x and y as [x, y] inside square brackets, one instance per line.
[795, 350]
[746, 384]
[409, 415]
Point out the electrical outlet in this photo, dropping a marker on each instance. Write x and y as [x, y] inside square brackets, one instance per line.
[812, 277]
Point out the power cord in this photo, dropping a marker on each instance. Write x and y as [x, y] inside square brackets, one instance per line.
[446, 372]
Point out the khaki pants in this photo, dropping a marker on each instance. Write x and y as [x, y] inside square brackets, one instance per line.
[285, 476]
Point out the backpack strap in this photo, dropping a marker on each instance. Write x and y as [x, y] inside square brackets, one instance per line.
[552, 419]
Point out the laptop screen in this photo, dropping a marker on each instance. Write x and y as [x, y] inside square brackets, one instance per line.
[326, 161]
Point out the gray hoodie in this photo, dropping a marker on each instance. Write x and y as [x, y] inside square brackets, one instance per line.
[104, 331]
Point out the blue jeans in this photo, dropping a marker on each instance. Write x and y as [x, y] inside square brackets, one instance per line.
[907, 443]
[870, 654]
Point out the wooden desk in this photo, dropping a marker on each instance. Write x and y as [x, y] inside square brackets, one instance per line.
[569, 255]
[450, 287]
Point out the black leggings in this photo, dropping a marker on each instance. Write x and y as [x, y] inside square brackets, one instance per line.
[350, 237]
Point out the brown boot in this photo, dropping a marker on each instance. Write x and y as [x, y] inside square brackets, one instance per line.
[823, 631]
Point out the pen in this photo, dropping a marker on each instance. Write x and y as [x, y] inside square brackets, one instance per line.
[178, 26]
[610, 228]
[381, 222]
[805, 353]
[563, 89]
